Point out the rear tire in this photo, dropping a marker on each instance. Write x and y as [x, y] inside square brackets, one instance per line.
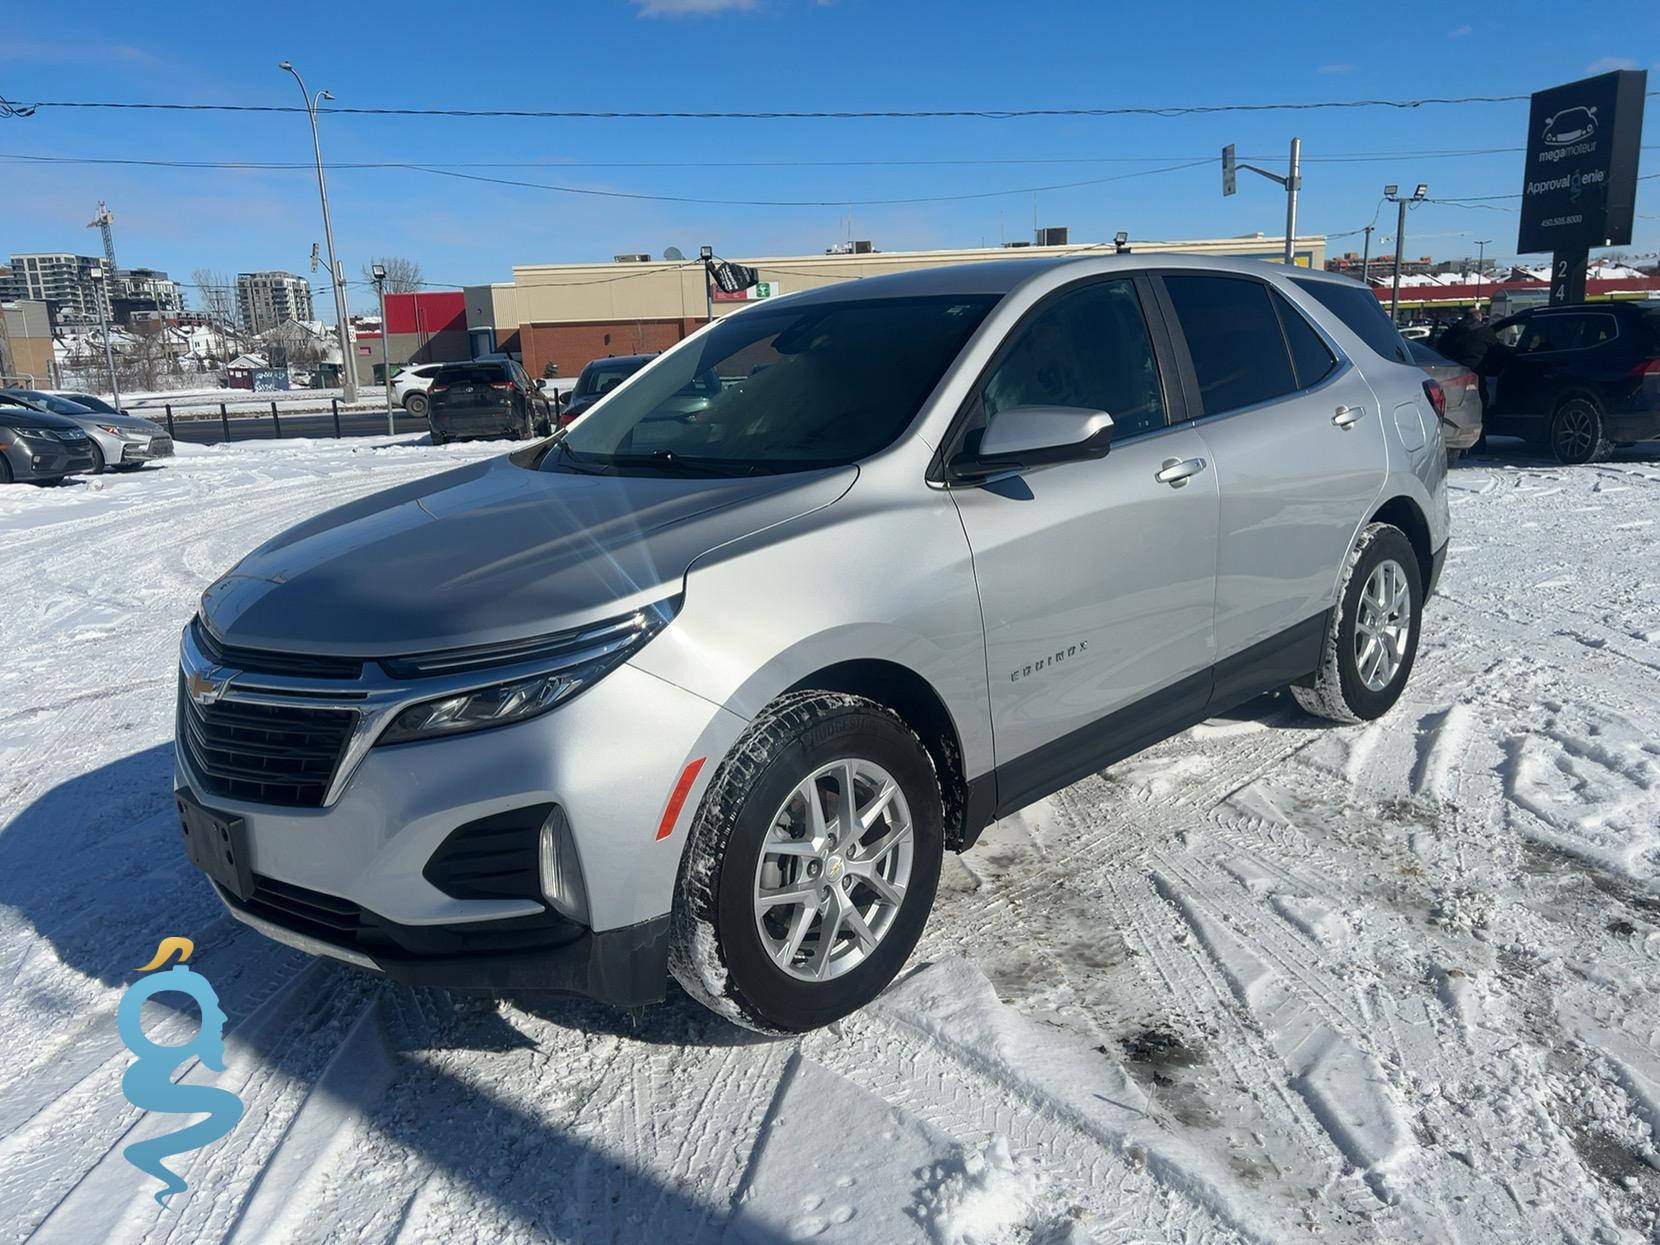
[1577, 433]
[438, 438]
[1453, 457]
[418, 405]
[779, 966]
[1372, 637]
[5, 470]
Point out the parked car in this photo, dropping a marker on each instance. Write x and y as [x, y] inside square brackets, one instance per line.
[1579, 379]
[118, 441]
[486, 398]
[38, 447]
[598, 378]
[409, 388]
[712, 696]
[91, 401]
[1460, 411]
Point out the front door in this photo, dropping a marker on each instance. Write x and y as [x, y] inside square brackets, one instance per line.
[1298, 441]
[1096, 578]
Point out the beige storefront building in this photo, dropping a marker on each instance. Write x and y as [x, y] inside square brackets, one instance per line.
[567, 314]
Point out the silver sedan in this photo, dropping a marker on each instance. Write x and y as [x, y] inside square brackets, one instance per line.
[118, 440]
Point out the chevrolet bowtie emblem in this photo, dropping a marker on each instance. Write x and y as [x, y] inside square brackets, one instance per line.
[206, 687]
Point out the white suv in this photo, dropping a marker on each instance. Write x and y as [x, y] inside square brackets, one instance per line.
[409, 388]
[711, 690]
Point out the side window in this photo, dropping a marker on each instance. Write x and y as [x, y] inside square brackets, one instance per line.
[1509, 334]
[1547, 333]
[1239, 353]
[1362, 314]
[1311, 358]
[1087, 348]
[1599, 329]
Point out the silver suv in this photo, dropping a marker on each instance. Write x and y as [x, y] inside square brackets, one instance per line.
[709, 692]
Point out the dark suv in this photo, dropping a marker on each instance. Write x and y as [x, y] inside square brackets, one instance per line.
[486, 398]
[1579, 379]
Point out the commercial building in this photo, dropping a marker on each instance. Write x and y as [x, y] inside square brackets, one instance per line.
[265, 299]
[567, 314]
[72, 286]
[424, 327]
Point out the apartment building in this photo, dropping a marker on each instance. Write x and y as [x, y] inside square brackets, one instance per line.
[265, 299]
[73, 286]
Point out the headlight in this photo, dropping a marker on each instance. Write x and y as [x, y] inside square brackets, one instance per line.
[569, 662]
[122, 432]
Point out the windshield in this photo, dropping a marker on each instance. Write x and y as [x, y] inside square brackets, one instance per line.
[482, 374]
[93, 403]
[51, 402]
[781, 389]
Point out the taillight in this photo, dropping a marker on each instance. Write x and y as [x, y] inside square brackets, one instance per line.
[437, 388]
[1645, 369]
[1437, 398]
[512, 386]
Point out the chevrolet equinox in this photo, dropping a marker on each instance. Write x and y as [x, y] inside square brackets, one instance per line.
[709, 691]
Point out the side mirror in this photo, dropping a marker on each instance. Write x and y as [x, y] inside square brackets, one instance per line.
[1023, 437]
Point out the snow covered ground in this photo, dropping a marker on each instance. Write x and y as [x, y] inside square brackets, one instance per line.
[1270, 981]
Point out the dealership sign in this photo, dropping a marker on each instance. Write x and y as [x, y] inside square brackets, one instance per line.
[1580, 189]
[761, 289]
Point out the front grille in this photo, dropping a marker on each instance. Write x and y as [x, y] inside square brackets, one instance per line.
[266, 754]
[306, 911]
[260, 661]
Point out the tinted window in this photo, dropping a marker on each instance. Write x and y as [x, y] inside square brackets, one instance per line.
[1362, 314]
[1311, 358]
[815, 384]
[1088, 348]
[604, 375]
[1542, 334]
[1234, 338]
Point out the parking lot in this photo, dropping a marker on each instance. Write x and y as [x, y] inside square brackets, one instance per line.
[1269, 980]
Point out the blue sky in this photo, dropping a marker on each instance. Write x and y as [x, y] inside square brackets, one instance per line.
[773, 54]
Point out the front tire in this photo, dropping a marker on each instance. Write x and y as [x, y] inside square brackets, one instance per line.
[1371, 640]
[797, 905]
[1577, 433]
[98, 461]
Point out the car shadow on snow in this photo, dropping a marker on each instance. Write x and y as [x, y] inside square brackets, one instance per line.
[96, 866]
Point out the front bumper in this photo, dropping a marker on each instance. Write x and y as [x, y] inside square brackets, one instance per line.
[609, 758]
[156, 448]
[627, 967]
[46, 460]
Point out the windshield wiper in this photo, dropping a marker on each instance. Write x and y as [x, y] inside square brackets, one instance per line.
[669, 461]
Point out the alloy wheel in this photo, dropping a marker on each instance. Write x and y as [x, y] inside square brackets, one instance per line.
[1573, 434]
[1383, 625]
[833, 869]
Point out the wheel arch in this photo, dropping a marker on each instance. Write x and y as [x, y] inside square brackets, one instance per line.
[1403, 512]
[921, 707]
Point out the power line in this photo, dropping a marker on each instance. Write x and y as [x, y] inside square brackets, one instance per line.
[991, 114]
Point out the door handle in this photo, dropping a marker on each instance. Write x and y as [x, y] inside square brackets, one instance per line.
[1175, 471]
[1348, 416]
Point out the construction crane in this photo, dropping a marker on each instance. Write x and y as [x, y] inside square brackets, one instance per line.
[102, 223]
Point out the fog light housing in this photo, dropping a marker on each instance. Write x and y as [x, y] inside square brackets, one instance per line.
[561, 872]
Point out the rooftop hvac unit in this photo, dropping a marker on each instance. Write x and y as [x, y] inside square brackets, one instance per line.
[639, 257]
[1010, 246]
[1054, 235]
[864, 247]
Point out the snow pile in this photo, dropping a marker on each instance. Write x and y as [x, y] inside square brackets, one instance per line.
[984, 1196]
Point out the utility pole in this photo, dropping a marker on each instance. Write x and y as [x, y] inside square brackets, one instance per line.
[1366, 258]
[1481, 265]
[1391, 193]
[348, 365]
[707, 255]
[103, 222]
[379, 273]
[1292, 181]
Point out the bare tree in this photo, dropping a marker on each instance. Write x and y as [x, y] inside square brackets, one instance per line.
[219, 305]
[403, 276]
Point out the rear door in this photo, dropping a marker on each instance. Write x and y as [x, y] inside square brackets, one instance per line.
[1097, 579]
[1298, 443]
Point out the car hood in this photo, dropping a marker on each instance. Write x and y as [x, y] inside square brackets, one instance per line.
[127, 423]
[489, 553]
[28, 417]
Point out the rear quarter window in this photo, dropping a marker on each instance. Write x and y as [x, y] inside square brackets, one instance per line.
[1361, 314]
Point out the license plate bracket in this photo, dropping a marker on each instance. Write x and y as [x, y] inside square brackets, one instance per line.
[217, 845]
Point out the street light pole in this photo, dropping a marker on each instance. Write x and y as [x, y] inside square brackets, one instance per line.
[707, 255]
[1392, 194]
[104, 324]
[1292, 184]
[379, 272]
[1481, 265]
[1366, 258]
[348, 366]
